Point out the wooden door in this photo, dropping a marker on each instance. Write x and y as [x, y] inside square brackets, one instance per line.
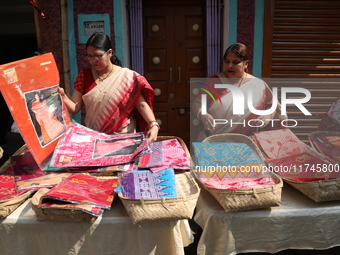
[174, 52]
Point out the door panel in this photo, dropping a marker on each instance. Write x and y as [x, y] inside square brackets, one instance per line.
[174, 52]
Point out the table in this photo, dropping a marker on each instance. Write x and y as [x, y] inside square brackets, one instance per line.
[298, 223]
[112, 233]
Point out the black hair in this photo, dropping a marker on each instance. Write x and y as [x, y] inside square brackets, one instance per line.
[240, 50]
[102, 41]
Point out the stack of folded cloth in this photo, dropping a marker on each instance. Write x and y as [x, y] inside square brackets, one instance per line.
[290, 158]
[144, 184]
[229, 165]
[81, 192]
[165, 154]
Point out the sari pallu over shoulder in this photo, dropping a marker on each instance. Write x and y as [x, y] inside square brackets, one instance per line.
[223, 107]
[109, 105]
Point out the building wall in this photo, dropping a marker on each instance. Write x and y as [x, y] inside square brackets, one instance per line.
[243, 23]
[90, 7]
[50, 32]
[245, 26]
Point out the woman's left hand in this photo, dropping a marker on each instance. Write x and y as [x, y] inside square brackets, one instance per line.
[153, 133]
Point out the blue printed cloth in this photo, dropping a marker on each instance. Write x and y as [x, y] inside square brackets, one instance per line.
[224, 154]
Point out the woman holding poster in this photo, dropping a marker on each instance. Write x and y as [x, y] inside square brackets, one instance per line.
[116, 99]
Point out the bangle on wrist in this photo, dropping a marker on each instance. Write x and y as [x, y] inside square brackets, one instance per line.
[154, 123]
[198, 113]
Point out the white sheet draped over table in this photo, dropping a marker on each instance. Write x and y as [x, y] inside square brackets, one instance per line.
[299, 223]
[113, 233]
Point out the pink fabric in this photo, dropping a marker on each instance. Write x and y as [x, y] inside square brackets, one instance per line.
[279, 143]
[165, 154]
[236, 177]
[303, 167]
[84, 147]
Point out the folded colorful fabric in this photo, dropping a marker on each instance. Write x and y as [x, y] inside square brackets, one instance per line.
[128, 167]
[81, 146]
[280, 143]
[46, 181]
[329, 146]
[165, 154]
[144, 184]
[235, 177]
[58, 204]
[84, 189]
[303, 167]
[224, 154]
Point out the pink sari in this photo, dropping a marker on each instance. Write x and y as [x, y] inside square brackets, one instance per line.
[110, 105]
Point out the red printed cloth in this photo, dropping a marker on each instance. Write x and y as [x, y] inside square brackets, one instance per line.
[57, 204]
[85, 190]
[329, 146]
[84, 147]
[235, 177]
[303, 167]
[279, 143]
[7, 187]
[165, 154]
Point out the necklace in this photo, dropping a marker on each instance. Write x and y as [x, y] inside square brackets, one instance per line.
[241, 80]
[102, 79]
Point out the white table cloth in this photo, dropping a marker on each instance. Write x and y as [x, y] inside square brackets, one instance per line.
[298, 223]
[113, 233]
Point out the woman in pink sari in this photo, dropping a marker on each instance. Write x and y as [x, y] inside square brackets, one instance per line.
[236, 59]
[117, 100]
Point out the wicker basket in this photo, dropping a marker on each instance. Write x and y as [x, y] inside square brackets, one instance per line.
[321, 190]
[9, 205]
[54, 214]
[245, 199]
[164, 209]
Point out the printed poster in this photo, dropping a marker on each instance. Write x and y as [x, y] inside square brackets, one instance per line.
[30, 89]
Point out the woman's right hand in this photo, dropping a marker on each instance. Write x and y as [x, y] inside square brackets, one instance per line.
[208, 121]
